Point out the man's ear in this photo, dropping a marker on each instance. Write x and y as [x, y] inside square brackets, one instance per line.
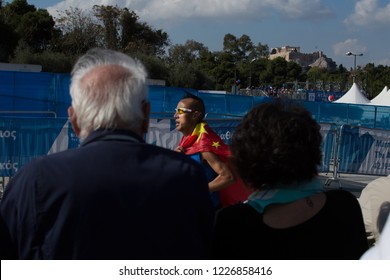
[198, 116]
[73, 120]
[146, 112]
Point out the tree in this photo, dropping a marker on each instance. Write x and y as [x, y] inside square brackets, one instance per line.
[230, 44]
[24, 26]
[278, 70]
[259, 66]
[156, 67]
[225, 72]
[137, 36]
[261, 51]
[188, 65]
[190, 52]
[15, 10]
[241, 48]
[32, 37]
[188, 76]
[80, 32]
[110, 21]
[7, 31]
[129, 23]
[35, 29]
[315, 76]
[50, 61]
[373, 79]
[294, 71]
[248, 60]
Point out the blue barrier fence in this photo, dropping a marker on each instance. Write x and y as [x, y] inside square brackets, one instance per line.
[39, 92]
[329, 142]
[31, 94]
[33, 122]
[364, 150]
[357, 149]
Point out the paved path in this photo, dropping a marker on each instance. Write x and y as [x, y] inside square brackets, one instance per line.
[350, 182]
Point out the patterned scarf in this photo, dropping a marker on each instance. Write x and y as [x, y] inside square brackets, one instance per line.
[284, 194]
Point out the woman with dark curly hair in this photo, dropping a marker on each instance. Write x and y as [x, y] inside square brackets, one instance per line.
[277, 150]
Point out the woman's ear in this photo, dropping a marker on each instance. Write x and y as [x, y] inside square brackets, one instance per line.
[73, 120]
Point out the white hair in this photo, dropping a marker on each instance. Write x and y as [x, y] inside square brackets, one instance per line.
[108, 89]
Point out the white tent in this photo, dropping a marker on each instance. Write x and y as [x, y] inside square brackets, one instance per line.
[353, 96]
[383, 98]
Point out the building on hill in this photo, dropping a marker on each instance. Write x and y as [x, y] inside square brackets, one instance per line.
[315, 59]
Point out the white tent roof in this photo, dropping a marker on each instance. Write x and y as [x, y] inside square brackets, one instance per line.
[354, 96]
[383, 98]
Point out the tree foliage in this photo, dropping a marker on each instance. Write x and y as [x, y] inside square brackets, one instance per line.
[6, 30]
[187, 64]
[110, 24]
[23, 25]
[125, 32]
[80, 32]
[33, 36]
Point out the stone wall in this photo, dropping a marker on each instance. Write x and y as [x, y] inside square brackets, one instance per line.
[290, 53]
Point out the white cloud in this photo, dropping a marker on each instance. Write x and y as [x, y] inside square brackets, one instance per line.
[367, 12]
[252, 9]
[384, 61]
[355, 46]
[87, 5]
[349, 45]
[301, 9]
[171, 10]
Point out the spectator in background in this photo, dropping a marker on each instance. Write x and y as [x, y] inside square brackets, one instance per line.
[114, 197]
[202, 144]
[384, 212]
[371, 199]
[381, 250]
[277, 151]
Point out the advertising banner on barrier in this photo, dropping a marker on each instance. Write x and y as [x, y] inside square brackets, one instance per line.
[361, 151]
[162, 132]
[328, 132]
[323, 96]
[23, 139]
[364, 151]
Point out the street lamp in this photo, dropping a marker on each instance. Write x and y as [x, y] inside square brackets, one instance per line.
[250, 72]
[354, 63]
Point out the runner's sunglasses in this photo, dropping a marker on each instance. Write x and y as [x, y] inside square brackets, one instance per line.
[181, 111]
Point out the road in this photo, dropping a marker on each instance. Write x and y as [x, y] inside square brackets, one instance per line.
[350, 182]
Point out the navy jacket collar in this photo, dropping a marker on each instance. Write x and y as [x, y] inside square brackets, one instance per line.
[112, 134]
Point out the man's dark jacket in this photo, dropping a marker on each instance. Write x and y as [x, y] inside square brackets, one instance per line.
[114, 197]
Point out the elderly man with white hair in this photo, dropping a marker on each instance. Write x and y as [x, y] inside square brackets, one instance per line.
[114, 197]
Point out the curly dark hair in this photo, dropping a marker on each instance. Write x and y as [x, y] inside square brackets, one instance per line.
[277, 143]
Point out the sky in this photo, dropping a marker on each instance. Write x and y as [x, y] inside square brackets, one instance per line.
[332, 26]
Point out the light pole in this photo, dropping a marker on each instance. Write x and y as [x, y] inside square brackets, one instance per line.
[354, 63]
[250, 72]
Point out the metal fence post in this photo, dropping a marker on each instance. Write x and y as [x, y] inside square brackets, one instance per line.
[336, 146]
